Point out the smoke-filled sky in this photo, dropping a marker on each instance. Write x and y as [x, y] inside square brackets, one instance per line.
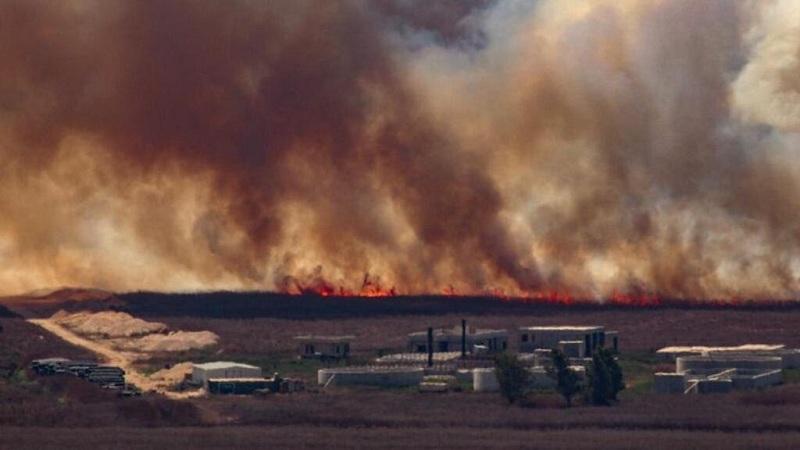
[516, 146]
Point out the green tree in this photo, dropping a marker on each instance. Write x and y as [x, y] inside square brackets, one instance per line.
[598, 381]
[512, 376]
[616, 378]
[567, 383]
[604, 378]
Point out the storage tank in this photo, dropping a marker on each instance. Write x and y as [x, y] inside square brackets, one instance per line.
[485, 380]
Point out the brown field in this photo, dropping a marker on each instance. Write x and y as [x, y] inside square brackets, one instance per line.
[332, 437]
[403, 418]
[640, 330]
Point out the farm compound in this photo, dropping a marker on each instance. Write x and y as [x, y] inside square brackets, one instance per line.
[719, 372]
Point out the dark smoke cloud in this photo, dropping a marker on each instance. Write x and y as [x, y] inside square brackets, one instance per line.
[253, 96]
[470, 145]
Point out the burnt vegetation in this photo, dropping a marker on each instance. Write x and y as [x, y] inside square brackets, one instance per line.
[310, 306]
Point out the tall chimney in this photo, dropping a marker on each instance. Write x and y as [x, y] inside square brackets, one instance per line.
[430, 347]
[463, 338]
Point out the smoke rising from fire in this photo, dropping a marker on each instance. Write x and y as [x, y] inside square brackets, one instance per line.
[586, 148]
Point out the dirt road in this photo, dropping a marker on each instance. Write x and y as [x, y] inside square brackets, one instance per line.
[113, 357]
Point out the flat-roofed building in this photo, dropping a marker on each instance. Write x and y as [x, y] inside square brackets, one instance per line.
[551, 337]
[324, 347]
[449, 340]
[201, 373]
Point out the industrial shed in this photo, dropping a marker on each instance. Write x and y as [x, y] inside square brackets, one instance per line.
[238, 386]
[201, 373]
[450, 340]
[574, 340]
[789, 356]
[720, 373]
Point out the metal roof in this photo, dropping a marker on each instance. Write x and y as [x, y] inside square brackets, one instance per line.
[456, 332]
[740, 348]
[49, 360]
[579, 328]
[224, 365]
[239, 380]
[335, 339]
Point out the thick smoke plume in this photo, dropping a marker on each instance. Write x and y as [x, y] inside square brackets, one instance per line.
[587, 148]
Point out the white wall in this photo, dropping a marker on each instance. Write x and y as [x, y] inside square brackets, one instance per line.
[201, 375]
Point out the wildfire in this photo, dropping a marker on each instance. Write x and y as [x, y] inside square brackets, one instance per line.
[371, 287]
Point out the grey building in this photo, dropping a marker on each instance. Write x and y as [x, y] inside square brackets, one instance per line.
[582, 340]
[324, 347]
[449, 340]
[201, 373]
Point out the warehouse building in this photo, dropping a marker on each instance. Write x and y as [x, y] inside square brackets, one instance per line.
[451, 339]
[202, 373]
[238, 386]
[719, 374]
[789, 356]
[575, 341]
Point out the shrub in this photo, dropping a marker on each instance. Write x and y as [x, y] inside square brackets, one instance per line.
[512, 376]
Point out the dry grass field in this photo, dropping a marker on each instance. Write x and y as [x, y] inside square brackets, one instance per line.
[322, 437]
[640, 330]
[79, 416]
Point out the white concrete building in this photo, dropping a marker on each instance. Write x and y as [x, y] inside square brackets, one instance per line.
[719, 373]
[789, 356]
[449, 340]
[579, 340]
[201, 373]
[371, 376]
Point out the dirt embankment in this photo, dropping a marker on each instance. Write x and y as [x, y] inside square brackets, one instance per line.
[107, 324]
[130, 334]
[162, 381]
[120, 339]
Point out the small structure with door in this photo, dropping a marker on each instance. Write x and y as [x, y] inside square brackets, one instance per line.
[324, 347]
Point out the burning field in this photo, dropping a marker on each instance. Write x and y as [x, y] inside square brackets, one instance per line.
[597, 149]
[198, 194]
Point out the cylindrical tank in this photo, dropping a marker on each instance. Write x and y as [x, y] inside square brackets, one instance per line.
[485, 380]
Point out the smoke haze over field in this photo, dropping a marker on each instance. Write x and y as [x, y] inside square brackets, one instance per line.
[583, 147]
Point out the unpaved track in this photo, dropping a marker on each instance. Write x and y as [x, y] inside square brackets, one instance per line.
[113, 357]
